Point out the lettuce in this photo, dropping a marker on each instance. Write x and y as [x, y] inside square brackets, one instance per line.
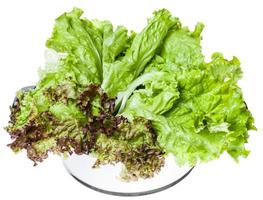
[83, 43]
[182, 47]
[208, 115]
[119, 74]
[131, 97]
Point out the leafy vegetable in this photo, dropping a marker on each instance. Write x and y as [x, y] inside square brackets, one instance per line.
[134, 145]
[182, 47]
[79, 38]
[117, 75]
[210, 116]
[131, 97]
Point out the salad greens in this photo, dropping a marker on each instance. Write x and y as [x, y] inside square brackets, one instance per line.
[131, 97]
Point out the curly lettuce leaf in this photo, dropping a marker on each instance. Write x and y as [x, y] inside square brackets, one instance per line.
[134, 145]
[158, 94]
[208, 115]
[183, 47]
[118, 75]
[81, 40]
[115, 42]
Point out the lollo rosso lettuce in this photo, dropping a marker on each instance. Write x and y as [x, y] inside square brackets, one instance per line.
[131, 97]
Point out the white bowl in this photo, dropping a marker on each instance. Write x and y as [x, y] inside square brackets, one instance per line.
[106, 178]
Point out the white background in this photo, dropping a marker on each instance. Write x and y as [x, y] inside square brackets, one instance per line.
[232, 27]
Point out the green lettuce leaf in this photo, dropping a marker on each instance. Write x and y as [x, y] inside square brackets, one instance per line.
[183, 48]
[118, 75]
[82, 41]
[114, 42]
[210, 116]
[158, 94]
